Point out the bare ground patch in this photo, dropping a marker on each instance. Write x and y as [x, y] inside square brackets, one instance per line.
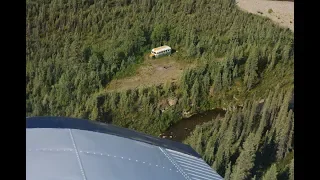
[151, 72]
[281, 12]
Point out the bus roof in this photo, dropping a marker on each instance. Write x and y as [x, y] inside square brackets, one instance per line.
[161, 48]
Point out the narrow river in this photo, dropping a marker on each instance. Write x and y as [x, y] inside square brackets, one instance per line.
[181, 130]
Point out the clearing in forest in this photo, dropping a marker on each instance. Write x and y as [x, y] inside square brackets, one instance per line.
[152, 72]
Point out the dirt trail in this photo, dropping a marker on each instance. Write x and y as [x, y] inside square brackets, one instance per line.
[283, 11]
[151, 72]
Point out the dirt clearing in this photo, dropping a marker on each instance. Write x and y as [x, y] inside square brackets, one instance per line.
[281, 12]
[151, 72]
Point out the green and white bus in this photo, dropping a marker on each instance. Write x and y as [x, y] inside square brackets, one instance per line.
[160, 51]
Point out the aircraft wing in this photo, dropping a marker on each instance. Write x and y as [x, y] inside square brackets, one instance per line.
[69, 148]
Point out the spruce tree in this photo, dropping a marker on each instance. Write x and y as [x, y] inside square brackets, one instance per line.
[206, 85]
[220, 156]
[217, 82]
[271, 174]
[251, 68]
[235, 72]
[251, 117]
[195, 94]
[225, 73]
[228, 172]
[283, 136]
[291, 134]
[291, 170]
[245, 161]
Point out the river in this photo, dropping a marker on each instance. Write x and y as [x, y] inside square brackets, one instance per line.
[182, 129]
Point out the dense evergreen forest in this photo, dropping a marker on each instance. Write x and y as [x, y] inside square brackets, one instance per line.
[244, 64]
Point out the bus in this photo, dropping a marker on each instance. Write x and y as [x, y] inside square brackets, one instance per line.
[160, 51]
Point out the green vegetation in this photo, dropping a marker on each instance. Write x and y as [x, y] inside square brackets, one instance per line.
[75, 48]
[270, 11]
[250, 139]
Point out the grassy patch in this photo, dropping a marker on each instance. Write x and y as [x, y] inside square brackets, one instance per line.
[149, 72]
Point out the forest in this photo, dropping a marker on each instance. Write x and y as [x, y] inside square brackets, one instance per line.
[75, 48]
